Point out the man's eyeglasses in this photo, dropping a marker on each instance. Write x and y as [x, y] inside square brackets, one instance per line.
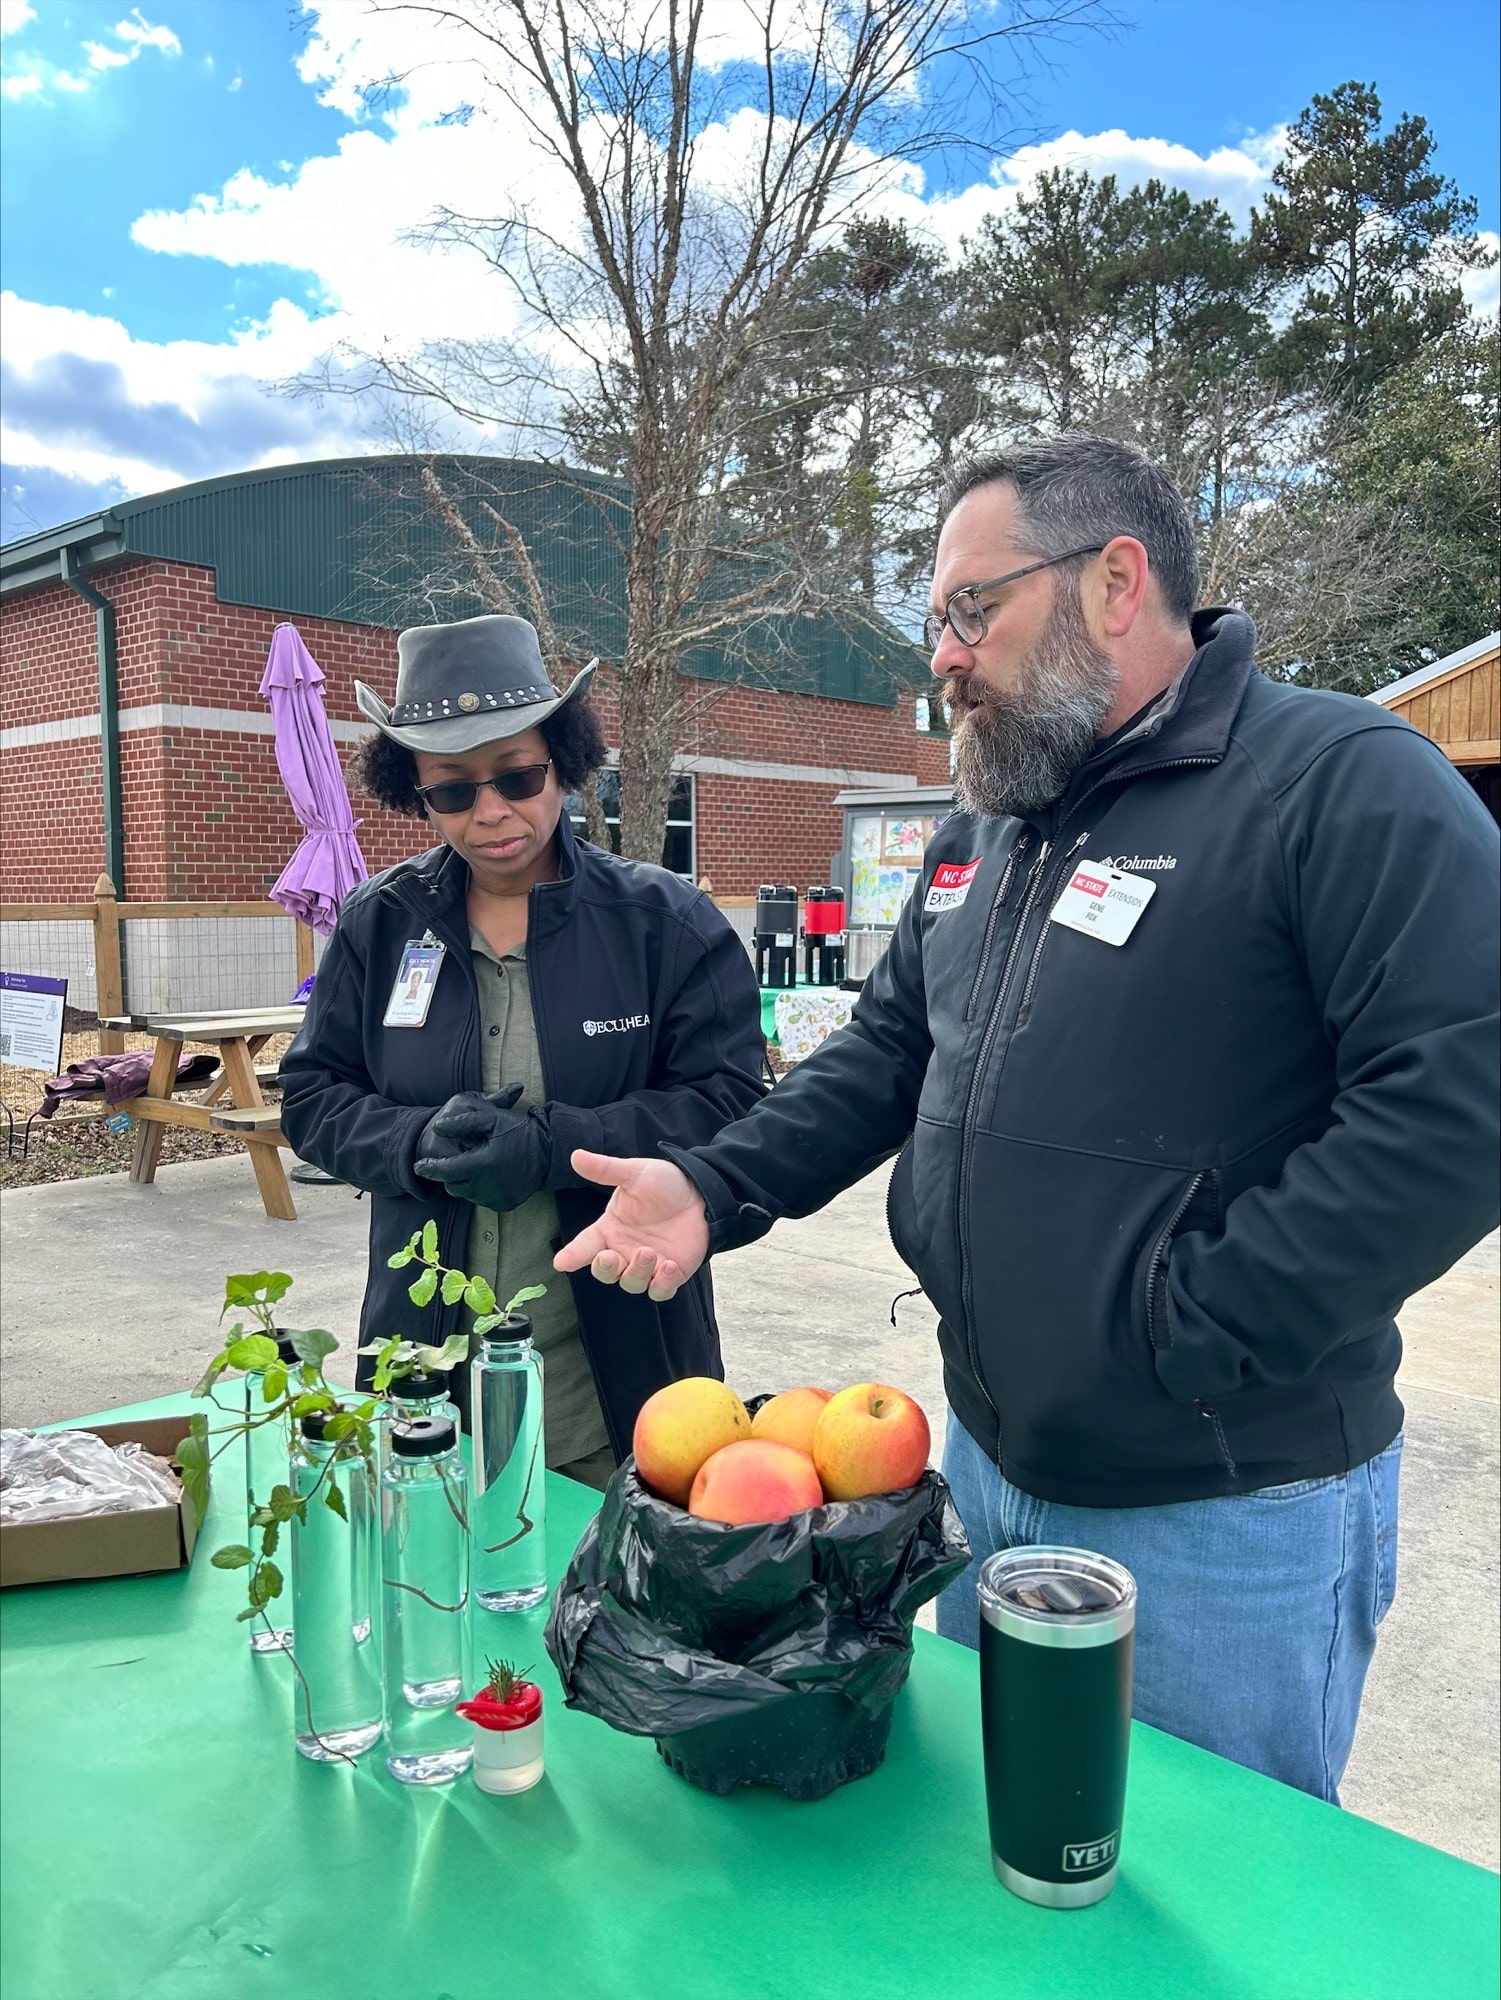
[964, 611]
[457, 795]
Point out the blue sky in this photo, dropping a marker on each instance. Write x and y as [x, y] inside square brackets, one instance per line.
[198, 198]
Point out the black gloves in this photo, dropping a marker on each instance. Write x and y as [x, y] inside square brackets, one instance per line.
[485, 1151]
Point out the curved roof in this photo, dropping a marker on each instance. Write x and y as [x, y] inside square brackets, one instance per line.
[364, 540]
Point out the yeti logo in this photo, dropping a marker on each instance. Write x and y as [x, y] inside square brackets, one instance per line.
[1083, 1857]
[620, 1026]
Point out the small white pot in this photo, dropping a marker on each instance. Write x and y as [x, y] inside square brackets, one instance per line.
[507, 1760]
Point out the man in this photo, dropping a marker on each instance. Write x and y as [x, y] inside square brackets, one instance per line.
[1188, 1040]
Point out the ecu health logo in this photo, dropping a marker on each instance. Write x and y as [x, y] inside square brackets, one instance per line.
[621, 1025]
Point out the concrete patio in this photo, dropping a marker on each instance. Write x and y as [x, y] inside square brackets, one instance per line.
[111, 1293]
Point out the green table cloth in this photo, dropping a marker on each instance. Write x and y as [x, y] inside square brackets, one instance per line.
[163, 1841]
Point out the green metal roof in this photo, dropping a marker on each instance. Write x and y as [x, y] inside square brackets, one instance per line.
[356, 539]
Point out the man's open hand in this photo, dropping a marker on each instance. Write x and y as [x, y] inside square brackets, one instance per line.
[651, 1238]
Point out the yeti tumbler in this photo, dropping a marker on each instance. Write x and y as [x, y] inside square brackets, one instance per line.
[1056, 1633]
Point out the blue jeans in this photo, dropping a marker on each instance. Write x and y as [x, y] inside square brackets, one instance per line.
[1256, 1614]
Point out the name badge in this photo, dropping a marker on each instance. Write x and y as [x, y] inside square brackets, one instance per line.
[1103, 902]
[412, 994]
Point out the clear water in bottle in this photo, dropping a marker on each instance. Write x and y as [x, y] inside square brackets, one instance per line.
[267, 1454]
[336, 1701]
[425, 1602]
[510, 1483]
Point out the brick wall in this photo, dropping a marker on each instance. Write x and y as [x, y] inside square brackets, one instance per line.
[206, 815]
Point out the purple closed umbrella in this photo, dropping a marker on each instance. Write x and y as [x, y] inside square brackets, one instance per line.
[328, 862]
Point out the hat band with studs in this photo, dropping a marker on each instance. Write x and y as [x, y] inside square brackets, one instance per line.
[407, 712]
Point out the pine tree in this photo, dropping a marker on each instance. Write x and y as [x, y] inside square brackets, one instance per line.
[1371, 239]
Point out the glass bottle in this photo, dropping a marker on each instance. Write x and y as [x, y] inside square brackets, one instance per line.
[337, 1700]
[425, 1602]
[419, 1395]
[267, 1454]
[510, 1484]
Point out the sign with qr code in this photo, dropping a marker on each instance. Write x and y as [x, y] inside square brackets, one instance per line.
[31, 1021]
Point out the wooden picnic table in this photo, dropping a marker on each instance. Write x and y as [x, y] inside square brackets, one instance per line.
[233, 1102]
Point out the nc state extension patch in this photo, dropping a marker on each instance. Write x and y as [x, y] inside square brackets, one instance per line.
[950, 884]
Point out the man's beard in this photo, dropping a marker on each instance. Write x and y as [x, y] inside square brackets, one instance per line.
[1017, 747]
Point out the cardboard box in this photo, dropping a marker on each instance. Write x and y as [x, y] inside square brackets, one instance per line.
[134, 1544]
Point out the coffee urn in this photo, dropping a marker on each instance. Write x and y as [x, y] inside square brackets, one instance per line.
[776, 936]
[823, 936]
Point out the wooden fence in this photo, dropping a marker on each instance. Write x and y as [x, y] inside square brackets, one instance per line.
[106, 913]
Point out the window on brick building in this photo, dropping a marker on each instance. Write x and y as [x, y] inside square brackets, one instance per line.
[678, 848]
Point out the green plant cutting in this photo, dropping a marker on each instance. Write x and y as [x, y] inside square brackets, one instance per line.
[293, 1390]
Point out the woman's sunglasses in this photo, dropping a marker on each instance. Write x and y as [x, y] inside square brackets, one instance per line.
[457, 795]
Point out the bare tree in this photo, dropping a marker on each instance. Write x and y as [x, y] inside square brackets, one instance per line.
[641, 322]
[479, 556]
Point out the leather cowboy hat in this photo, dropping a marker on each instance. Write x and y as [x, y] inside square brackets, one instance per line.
[461, 685]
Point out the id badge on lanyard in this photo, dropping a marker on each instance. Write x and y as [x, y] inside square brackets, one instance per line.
[412, 994]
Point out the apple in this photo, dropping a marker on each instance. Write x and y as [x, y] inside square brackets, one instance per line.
[790, 1418]
[869, 1439]
[682, 1425]
[757, 1480]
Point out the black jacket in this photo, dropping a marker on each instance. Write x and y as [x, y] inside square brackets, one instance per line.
[649, 1028]
[1168, 1196]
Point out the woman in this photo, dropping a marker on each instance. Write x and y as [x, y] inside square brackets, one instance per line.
[514, 993]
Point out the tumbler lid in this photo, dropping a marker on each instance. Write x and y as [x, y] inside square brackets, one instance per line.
[418, 1387]
[422, 1437]
[1057, 1596]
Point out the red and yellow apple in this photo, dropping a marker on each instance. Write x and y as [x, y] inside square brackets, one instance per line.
[757, 1480]
[681, 1426]
[791, 1418]
[869, 1439]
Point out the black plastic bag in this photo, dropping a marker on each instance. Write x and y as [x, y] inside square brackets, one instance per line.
[756, 1655]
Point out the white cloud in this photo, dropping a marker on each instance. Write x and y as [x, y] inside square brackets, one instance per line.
[381, 288]
[36, 76]
[102, 58]
[141, 33]
[1237, 176]
[438, 64]
[87, 401]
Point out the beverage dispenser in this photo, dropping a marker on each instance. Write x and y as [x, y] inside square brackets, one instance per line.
[776, 935]
[823, 936]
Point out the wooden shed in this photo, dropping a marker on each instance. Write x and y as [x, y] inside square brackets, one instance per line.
[1457, 702]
